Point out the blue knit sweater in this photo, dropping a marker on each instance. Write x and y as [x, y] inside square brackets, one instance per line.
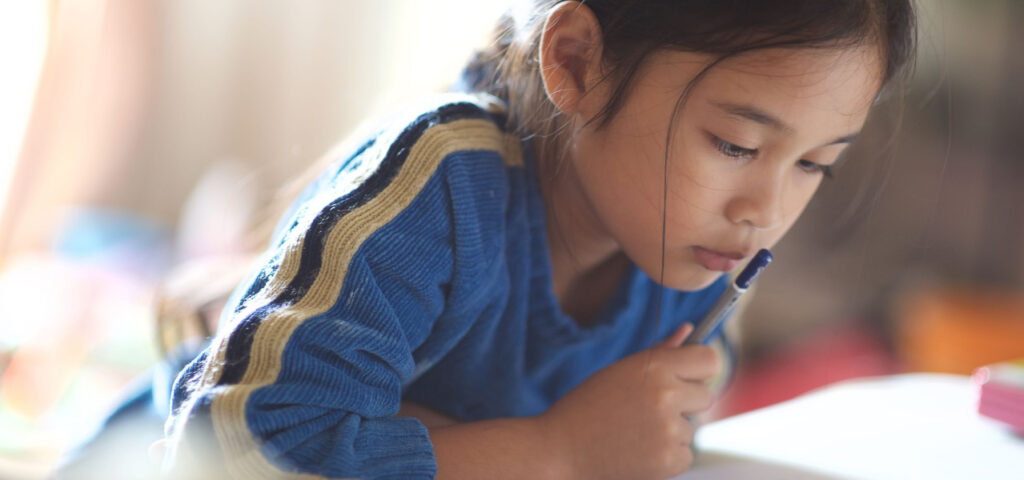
[416, 268]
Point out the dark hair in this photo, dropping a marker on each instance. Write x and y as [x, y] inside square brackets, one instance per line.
[633, 29]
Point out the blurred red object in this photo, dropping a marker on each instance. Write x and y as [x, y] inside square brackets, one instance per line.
[821, 358]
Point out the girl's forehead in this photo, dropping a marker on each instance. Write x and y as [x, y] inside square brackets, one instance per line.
[801, 68]
[803, 83]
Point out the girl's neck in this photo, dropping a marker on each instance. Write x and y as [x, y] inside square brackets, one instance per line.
[587, 263]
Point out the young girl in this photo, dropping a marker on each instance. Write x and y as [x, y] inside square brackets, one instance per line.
[496, 285]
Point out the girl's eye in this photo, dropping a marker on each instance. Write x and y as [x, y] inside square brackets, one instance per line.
[732, 150]
[811, 167]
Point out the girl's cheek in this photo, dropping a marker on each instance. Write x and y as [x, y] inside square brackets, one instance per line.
[702, 172]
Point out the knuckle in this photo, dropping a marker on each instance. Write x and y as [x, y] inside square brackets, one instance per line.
[709, 357]
[706, 397]
[664, 401]
[669, 460]
[654, 364]
[716, 361]
[685, 459]
[668, 432]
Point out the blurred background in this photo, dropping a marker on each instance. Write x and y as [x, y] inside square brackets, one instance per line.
[140, 139]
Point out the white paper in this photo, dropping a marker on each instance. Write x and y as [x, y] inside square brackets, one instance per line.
[914, 426]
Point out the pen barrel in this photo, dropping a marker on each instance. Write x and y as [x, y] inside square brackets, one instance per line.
[718, 313]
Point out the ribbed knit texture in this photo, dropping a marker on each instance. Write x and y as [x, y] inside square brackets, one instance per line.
[415, 269]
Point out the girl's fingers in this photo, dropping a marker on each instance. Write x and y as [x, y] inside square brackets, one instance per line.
[695, 398]
[677, 337]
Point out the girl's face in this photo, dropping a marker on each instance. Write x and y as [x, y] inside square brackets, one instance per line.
[746, 153]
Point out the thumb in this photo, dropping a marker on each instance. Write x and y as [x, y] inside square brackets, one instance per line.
[679, 335]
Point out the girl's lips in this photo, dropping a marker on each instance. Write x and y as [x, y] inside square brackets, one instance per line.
[717, 261]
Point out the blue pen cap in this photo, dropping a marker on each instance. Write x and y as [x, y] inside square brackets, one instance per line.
[753, 269]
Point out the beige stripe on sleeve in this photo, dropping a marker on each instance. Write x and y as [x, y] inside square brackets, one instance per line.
[228, 408]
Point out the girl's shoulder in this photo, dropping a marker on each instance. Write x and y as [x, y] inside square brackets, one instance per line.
[445, 151]
[447, 123]
[420, 137]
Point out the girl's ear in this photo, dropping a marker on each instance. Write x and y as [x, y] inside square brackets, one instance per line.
[570, 56]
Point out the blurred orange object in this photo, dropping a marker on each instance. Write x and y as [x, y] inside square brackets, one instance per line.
[958, 330]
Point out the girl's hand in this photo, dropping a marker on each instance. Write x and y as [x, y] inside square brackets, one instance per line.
[629, 420]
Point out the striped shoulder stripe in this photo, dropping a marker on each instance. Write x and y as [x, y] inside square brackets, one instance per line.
[239, 345]
[311, 274]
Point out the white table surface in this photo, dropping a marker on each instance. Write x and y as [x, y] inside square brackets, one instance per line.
[911, 426]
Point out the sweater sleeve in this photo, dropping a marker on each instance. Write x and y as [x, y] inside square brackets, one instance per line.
[305, 379]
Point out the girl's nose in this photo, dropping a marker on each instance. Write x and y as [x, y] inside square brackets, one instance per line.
[758, 204]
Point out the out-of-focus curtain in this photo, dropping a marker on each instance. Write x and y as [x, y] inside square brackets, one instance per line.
[26, 28]
[152, 132]
[137, 100]
[85, 113]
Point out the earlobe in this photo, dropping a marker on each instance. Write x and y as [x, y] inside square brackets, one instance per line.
[570, 55]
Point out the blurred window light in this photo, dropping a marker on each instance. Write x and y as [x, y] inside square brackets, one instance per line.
[25, 28]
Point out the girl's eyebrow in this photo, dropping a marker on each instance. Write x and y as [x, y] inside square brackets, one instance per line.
[754, 114]
[758, 115]
[845, 139]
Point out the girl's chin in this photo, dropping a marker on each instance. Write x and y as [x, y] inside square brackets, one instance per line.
[697, 278]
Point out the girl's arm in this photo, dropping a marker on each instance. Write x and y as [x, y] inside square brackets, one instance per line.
[502, 448]
[629, 420]
[507, 448]
[305, 377]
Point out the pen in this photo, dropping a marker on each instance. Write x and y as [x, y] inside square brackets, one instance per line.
[715, 316]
